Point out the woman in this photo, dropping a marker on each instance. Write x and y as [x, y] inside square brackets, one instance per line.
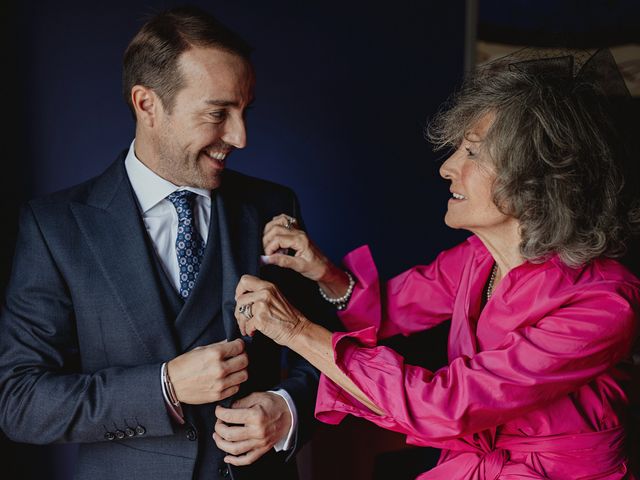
[542, 319]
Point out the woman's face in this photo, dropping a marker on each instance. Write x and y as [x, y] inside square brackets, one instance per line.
[472, 173]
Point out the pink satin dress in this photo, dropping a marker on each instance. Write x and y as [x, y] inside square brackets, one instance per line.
[534, 387]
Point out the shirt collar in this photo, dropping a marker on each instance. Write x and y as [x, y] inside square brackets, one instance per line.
[149, 187]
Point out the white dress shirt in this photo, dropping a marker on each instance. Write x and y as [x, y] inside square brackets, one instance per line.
[161, 221]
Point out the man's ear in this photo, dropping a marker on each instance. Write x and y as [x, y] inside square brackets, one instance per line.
[146, 104]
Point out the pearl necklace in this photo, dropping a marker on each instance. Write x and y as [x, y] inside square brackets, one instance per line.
[492, 279]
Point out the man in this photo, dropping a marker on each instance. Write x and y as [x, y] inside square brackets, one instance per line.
[118, 330]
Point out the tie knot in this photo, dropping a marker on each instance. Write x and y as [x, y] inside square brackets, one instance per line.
[183, 203]
[181, 197]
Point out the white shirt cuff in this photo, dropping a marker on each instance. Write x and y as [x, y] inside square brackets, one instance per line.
[286, 443]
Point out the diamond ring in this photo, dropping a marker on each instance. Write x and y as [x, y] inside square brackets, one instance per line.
[246, 310]
[290, 221]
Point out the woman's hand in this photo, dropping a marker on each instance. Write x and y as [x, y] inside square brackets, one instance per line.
[281, 234]
[260, 306]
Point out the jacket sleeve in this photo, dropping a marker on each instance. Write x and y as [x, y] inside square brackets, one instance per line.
[44, 395]
[532, 366]
[415, 300]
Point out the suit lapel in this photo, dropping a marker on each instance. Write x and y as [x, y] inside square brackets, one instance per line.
[113, 227]
[240, 245]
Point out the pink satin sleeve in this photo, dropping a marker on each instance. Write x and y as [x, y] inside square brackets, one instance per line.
[415, 300]
[531, 367]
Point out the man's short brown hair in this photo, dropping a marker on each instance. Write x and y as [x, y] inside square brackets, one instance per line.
[151, 59]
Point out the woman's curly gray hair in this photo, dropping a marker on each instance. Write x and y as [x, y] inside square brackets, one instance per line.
[556, 151]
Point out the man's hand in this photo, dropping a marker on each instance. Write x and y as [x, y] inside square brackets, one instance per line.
[209, 373]
[251, 427]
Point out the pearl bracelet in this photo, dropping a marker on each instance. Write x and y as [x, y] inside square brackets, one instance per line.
[341, 302]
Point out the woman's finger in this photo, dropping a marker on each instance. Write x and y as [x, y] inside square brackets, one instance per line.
[249, 283]
[279, 240]
[282, 220]
[250, 327]
[241, 319]
[278, 229]
[248, 304]
[285, 261]
[244, 307]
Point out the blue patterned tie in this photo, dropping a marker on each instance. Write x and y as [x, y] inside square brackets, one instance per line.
[189, 243]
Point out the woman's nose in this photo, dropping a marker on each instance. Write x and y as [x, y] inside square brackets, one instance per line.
[447, 169]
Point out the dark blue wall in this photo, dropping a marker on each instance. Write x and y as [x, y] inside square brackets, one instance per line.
[344, 91]
[343, 94]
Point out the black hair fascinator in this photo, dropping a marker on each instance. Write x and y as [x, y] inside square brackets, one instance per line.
[572, 67]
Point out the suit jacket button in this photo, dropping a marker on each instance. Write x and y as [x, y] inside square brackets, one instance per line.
[192, 435]
[129, 432]
[140, 430]
[119, 434]
[109, 435]
[223, 471]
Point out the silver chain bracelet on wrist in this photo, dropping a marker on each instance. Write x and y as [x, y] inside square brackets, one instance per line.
[170, 391]
[341, 302]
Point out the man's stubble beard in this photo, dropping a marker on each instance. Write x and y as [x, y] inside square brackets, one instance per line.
[182, 170]
[177, 167]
